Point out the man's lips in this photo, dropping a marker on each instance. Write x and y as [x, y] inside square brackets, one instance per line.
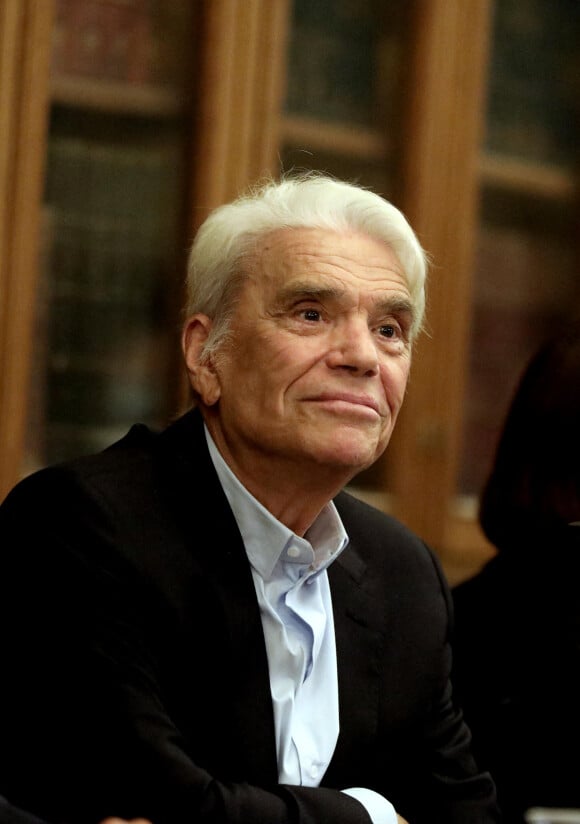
[337, 398]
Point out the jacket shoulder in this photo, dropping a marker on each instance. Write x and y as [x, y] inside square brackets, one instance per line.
[389, 550]
[371, 526]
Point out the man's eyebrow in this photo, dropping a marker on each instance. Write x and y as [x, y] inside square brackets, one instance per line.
[308, 290]
[396, 305]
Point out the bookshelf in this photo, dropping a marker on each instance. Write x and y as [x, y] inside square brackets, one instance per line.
[543, 180]
[116, 148]
[536, 180]
[129, 120]
[402, 97]
[154, 101]
[342, 139]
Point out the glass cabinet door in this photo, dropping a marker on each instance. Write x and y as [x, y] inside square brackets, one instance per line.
[344, 82]
[526, 280]
[114, 228]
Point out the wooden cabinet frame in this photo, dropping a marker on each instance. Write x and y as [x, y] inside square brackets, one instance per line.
[240, 97]
[440, 185]
[25, 30]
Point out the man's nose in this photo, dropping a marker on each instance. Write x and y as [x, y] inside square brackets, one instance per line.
[354, 349]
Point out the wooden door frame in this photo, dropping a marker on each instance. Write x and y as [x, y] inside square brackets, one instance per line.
[240, 90]
[441, 140]
[25, 42]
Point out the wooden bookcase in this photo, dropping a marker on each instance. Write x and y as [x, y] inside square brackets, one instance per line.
[416, 131]
[118, 113]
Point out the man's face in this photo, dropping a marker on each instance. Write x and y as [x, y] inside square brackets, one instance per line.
[315, 370]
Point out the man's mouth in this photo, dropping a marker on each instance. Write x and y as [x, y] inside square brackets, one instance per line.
[348, 401]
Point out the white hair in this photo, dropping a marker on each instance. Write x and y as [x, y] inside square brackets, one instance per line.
[310, 200]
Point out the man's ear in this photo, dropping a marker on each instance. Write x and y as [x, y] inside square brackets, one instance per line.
[202, 376]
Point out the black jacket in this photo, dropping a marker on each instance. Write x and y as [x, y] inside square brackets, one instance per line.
[9, 814]
[135, 677]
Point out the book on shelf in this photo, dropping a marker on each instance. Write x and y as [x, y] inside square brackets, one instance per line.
[332, 61]
[533, 109]
[125, 41]
[114, 226]
[108, 39]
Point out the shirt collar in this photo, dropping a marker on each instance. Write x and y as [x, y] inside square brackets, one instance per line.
[267, 540]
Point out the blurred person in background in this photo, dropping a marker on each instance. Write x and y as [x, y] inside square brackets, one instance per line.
[517, 623]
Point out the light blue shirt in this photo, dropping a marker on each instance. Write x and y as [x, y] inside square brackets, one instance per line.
[293, 592]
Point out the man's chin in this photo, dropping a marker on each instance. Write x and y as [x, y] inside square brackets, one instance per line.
[349, 457]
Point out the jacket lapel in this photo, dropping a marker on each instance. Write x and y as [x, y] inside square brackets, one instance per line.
[216, 542]
[359, 642]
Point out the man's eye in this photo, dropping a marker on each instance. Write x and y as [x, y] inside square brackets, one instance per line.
[388, 330]
[311, 314]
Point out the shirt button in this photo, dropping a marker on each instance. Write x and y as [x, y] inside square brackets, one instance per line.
[314, 771]
[293, 552]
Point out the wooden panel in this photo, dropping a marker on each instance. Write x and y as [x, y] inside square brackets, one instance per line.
[25, 27]
[10, 22]
[439, 195]
[241, 78]
[272, 45]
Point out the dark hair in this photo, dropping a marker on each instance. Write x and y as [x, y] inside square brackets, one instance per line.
[535, 480]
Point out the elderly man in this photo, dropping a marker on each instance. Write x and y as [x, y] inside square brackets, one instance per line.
[200, 625]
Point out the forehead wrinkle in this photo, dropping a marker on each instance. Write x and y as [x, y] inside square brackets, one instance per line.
[343, 262]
